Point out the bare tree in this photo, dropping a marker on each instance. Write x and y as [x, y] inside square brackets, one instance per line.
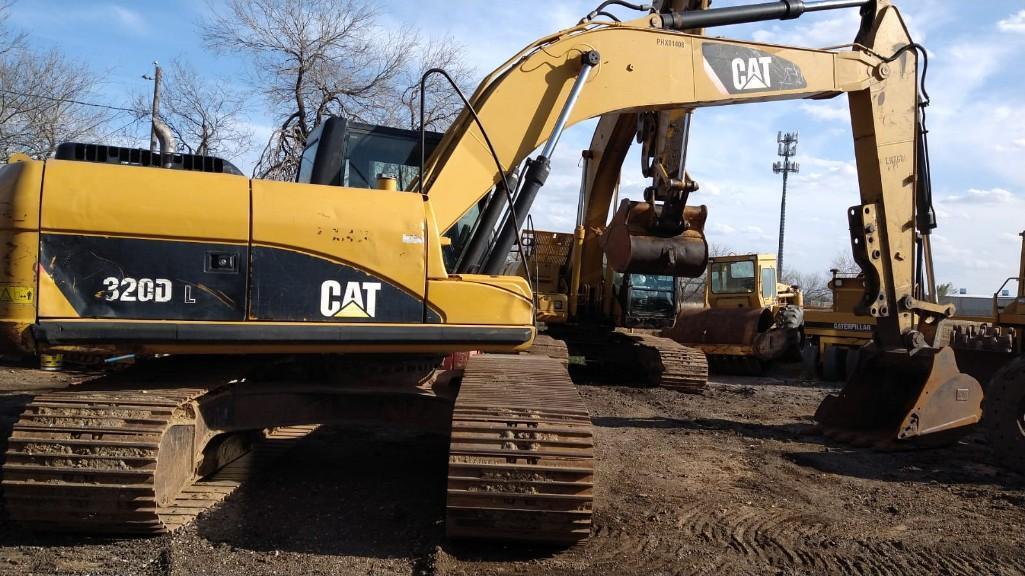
[442, 102]
[945, 290]
[312, 59]
[322, 58]
[41, 96]
[9, 38]
[205, 117]
[844, 262]
[814, 285]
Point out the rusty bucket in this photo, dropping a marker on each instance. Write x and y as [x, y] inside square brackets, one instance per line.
[632, 246]
[895, 396]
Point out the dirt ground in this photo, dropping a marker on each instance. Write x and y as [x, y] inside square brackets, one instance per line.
[732, 482]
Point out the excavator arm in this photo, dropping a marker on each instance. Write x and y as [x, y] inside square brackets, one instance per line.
[619, 70]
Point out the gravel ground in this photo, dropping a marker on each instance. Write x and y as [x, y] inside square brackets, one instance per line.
[732, 482]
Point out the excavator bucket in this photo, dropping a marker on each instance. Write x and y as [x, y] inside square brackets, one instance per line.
[735, 340]
[632, 246]
[894, 397]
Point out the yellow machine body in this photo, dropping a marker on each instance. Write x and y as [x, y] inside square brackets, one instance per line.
[837, 332]
[139, 259]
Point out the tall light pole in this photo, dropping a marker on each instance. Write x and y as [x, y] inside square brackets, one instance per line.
[787, 144]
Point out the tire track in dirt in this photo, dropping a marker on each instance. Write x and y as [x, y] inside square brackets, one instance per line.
[772, 538]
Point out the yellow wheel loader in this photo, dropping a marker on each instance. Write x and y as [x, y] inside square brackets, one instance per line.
[123, 251]
[749, 318]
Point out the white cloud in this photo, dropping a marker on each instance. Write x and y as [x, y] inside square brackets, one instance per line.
[709, 188]
[1013, 23]
[757, 233]
[835, 110]
[722, 228]
[834, 30]
[129, 19]
[989, 196]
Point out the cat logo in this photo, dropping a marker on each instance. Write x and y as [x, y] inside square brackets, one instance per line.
[357, 300]
[752, 75]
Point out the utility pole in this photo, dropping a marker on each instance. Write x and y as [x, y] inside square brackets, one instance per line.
[154, 142]
[787, 148]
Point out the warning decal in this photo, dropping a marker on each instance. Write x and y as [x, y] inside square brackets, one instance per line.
[15, 295]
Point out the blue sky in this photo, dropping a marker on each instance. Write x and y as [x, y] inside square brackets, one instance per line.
[976, 121]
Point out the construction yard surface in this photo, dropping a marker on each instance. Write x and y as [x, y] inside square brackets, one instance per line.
[736, 481]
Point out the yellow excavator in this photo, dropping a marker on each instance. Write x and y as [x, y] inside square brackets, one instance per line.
[123, 251]
[994, 353]
[749, 318]
[608, 310]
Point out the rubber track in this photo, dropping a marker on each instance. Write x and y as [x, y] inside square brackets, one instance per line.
[83, 461]
[677, 367]
[521, 458]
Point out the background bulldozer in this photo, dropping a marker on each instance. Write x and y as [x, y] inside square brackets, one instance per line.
[833, 336]
[749, 318]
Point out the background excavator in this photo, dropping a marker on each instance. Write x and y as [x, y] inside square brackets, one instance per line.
[609, 309]
[995, 354]
[122, 251]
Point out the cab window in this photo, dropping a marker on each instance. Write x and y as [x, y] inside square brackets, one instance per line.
[769, 283]
[733, 277]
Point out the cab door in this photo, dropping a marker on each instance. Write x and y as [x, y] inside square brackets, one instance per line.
[335, 254]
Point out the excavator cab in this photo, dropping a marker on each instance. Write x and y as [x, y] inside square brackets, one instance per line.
[748, 281]
[645, 300]
[737, 282]
[340, 152]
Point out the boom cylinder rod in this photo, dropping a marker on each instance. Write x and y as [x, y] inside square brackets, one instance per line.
[780, 10]
[576, 258]
[589, 61]
[1021, 273]
[537, 173]
[476, 249]
[930, 274]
